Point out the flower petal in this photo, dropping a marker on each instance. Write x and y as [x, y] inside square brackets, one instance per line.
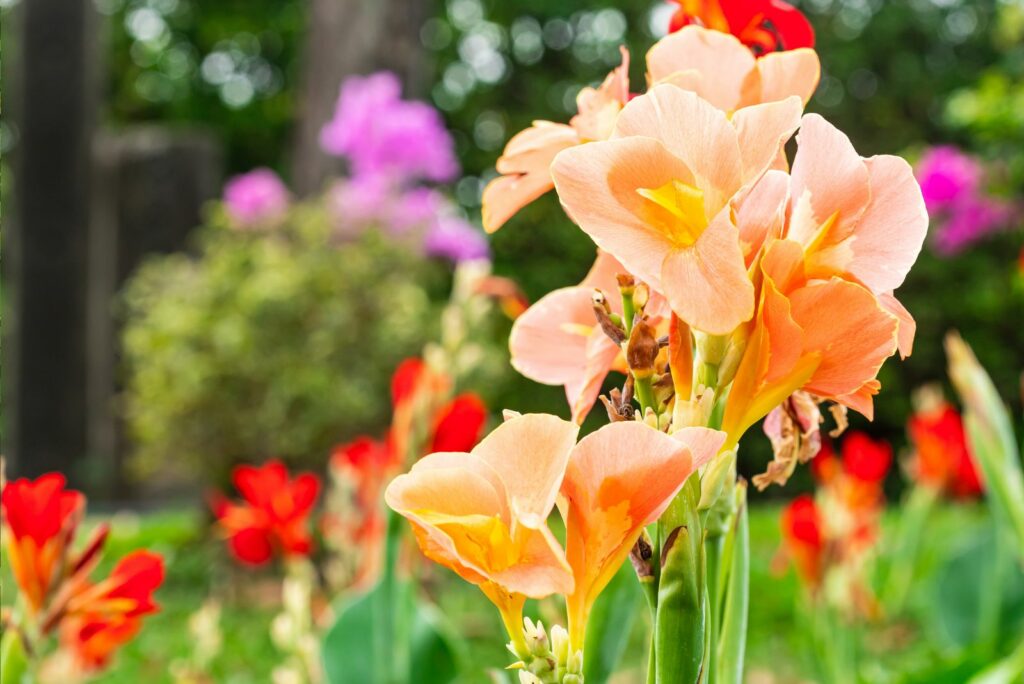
[792, 72]
[529, 453]
[707, 284]
[524, 166]
[908, 327]
[549, 340]
[763, 130]
[727, 65]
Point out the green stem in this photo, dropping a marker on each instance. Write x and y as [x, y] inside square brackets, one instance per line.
[628, 312]
[714, 547]
[991, 595]
[733, 633]
[645, 395]
[903, 566]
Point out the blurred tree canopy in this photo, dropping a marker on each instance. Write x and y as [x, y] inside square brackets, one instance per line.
[897, 76]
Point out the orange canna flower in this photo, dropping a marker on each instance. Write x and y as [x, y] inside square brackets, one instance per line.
[803, 538]
[620, 479]
[524, 163]
[101, 617]
[484, 514]
[41, 517]
[558, 341]
[839, 235]
[657, 196]
[719, 68]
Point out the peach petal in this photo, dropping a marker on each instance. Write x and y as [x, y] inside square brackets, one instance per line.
[707, 284]
[889, 236]
[598, 107]
[707, 52]
[846, 324]
[524, 166]
[696, 132]
[792, 72]
[828, 178]
[543, 570]
[703, 443]
[597, 184]
[763, 130]
[601, 355]
[547, 343]
[908, 327]
[529, 453]
[761, 214]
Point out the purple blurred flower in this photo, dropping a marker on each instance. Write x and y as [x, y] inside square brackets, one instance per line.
[947, 175]
[969, 220]
[383, 135]
[256, 197]
[453, 238]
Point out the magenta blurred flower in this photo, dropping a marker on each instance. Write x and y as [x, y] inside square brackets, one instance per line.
[383, 135]
[451, 237]
[968, 221]
[947, 175]
[256, 197]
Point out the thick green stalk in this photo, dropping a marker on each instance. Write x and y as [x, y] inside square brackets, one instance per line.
[680, 623]
[13, 660]
[902, 568]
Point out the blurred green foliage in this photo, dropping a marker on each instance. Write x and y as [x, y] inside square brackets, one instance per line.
[269, 345]
[897, 77]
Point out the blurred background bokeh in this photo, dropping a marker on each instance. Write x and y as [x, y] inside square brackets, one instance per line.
[123, 118]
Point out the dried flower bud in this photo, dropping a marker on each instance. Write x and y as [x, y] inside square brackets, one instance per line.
[606, 319]
[627, 284]
[642, 351]
[641, 295]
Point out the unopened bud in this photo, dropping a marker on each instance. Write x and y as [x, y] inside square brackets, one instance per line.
[610, 323]
[529, 678]
[642, 350]
[641, 295]
[711, 348]
[720, 471]
[560, 643]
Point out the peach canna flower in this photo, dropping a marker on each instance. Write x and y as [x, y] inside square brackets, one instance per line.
[620, 479]
[723, 71]
[658, 195]
[484, 514]
[524, 163]
[558, 341]
[837, 238]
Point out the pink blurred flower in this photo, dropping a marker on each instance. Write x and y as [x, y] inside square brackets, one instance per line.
[970, 220]
[256, 197]
[453, 238]
[947, 175]
[382, 134]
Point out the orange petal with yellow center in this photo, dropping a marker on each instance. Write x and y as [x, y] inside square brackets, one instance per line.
[598, 185]
[694, 131]
[524, 166]
[707, 284]
[761, 213]
[829, 179]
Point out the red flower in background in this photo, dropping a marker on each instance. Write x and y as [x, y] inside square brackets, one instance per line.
[41, 517]
[101, 617]
[865, 459]
[762, 25]
[274, 518]
[459, 424]
[804, 538]
[942, 457]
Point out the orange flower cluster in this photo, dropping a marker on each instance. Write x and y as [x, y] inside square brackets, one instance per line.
[763, 25]
[40, 520]
[834, 532]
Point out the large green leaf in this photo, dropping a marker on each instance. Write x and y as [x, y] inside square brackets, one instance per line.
[422, 650]
[610, 624]
[13, 661]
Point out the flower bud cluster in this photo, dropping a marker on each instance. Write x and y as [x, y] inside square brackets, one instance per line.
[548, 660]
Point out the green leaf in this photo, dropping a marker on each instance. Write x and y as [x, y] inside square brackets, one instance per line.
[13, 661]
[992, 441]
[611, 621]
[354, 651]
[1006, 671]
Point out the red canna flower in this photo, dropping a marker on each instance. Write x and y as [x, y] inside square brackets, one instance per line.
[804, 538]
[41, 517]
[865, 459]
[825, 465]
[942, 457]
[762, 25]
[101, 617]
[274, 517]
[459, 424]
